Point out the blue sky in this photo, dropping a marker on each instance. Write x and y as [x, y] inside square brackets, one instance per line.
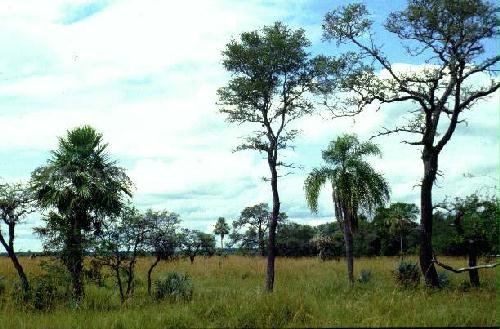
[145, 73]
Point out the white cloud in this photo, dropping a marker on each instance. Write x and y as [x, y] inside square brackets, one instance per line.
[145, 74]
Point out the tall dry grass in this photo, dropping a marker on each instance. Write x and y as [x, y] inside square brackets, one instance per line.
[228, 292]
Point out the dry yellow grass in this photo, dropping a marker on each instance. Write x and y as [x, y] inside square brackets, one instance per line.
[308, 293]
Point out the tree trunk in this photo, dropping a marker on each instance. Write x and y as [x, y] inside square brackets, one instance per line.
[191, 258]
[75, 259]
[20, 271]
[15, 261]
[150, 271]
[272, 227]
[221, 242]
[349, 252]
[119, 282]
[473, 274]
[430, 160]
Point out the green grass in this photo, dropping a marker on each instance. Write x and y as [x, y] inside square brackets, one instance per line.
[229, 293]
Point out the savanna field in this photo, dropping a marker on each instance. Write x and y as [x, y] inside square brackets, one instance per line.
[228, 292]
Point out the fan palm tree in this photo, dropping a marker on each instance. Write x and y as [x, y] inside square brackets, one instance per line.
[356, 186]
[81, 187]
[221, 228]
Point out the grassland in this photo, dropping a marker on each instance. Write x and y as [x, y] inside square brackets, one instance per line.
[229, 293]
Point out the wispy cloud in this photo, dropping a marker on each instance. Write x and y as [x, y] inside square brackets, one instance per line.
[145, 73]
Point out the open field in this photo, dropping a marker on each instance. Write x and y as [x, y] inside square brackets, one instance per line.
[229, 293]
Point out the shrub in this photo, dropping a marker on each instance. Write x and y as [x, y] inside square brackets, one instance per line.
[44, 293]
[174, 287]
[51, 286]
[443, 279]
[407, 274]
[365, 276]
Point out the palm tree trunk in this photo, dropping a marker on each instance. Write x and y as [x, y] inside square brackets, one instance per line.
[349, 252]
[75, 259]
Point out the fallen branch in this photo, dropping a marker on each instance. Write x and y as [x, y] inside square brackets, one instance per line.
[464, 269]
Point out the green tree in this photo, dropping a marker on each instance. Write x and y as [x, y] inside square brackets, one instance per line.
[120, 243]
[255, 219]
[196, 243]
[356, 186]
[82, 187]
[449, 37]
[16, 201]
[475, 220]
[222, 229]
[271, 75]
[401, 219]
[162, 237]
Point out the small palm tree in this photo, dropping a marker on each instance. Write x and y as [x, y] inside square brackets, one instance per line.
[356, 186]
[400, 220]
[221, 228]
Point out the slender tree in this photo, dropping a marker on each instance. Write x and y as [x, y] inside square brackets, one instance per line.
[191, 243]
[356, 186]
[162, 238]
[271, 76]
[16, 202]
[119, 245]
[82, 188]
[400, 219]
[221, 229]
[256, 218]
[449, 37]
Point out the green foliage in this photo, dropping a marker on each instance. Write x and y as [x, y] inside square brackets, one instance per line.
[175, 287]
[162, 236]
[443, 279]
[194, 243]
[329, 246]
[255, 220]
[356, 185]
[52, 286]
[295, 240]
[407, 274]
[82, 188]
[472, 218]
[365, 276]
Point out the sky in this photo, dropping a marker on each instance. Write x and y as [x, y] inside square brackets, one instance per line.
[145, 74]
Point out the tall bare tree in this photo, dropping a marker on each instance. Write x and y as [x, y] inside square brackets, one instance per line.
[448, 36]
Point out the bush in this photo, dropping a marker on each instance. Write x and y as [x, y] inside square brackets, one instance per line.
[407, 274]
[53, 285]
[365, 276]
[175, 287]
[44, 293]
[443, 279]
